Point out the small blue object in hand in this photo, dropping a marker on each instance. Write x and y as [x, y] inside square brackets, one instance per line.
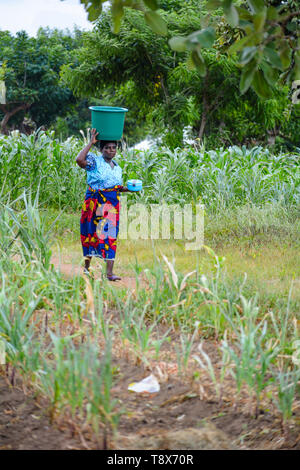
[134, 185]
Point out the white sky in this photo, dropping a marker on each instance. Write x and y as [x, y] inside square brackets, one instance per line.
[29, 15]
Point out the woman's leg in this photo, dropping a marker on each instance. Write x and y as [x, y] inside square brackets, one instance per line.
[87, 262]
[109, 271]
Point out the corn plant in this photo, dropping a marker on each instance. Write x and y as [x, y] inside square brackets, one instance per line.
[221, 178]
[135, 330]
[205, 363]
[80, 378]
[184, 349]
[16, 329]
[286, 384]
[27, 228]
[251, 354]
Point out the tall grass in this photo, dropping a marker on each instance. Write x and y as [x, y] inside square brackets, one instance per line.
[222, 178]
[44, 322]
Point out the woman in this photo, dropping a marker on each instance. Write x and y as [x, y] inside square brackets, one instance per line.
[99, 223]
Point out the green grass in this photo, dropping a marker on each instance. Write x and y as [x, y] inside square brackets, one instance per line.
[268, 250]
[244, 292]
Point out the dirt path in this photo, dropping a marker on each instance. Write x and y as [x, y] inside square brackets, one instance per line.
[70, 269]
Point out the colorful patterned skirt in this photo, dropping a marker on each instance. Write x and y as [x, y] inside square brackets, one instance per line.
[99, 223]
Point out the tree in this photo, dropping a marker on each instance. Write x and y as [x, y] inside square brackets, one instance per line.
[137, 69]
[30, 68]
[267, 46]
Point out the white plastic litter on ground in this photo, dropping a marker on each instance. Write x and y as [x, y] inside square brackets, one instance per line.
[149, 384]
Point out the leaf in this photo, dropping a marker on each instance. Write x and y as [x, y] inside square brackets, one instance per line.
[172, 271]
[231, 13]
[238, 45]
[205, 37]
[199, 62]
[247, 76]
[90, 306]
[256, 5]
[178, 43]
[183, 282]
[260, 85]
[292, 27]
[296, 71]
[117, 12]
[156, 23]
[93, 8]
[271, 74]
[247, 54]
[213, 4]
[190, 64]
[210, 251]
[273, 57]
[285, 57]
[152, 4]
[272, 13]
[244, 13]
[260, 19]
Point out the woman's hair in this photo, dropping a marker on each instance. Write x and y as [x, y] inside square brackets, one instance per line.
[102, 143]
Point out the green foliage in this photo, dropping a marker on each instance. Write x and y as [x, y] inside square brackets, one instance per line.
[265, 25]
[222, 178]
[76, 378]
[32, 79]
[253, 356]
[41, 163]
[163, 90]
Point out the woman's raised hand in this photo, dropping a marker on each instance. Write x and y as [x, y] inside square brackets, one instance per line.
[94, 134]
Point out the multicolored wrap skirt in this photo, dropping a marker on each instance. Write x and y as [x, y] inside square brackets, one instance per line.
[99, 223]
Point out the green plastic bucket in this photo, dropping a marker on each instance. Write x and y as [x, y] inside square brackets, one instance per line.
[108, 121]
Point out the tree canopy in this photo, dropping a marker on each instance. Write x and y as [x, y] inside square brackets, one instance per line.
[263, 33]
[30, 69]
[164, 92]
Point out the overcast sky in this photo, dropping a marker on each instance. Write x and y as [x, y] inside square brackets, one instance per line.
[29, 15]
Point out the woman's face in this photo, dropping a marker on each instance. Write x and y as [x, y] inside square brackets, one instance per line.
[109, 150]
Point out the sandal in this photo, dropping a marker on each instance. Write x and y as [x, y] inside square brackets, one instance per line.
[113, 278]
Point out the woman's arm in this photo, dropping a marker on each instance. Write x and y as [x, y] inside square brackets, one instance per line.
[81, 157]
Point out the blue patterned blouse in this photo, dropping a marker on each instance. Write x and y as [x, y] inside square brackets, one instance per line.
[100, 175]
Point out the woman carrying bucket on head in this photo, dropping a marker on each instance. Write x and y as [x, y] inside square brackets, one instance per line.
[99, 223]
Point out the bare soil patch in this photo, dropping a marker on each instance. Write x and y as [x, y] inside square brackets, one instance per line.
[174, 418]
[25, 425]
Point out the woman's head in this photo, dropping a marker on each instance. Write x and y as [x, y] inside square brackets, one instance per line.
[108, 148]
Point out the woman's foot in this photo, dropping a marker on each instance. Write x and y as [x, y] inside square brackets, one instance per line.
[109, 271]
[87, 263]
[88, 273]
[112, 277]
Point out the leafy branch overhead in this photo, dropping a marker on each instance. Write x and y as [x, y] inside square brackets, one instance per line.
[267, 44]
